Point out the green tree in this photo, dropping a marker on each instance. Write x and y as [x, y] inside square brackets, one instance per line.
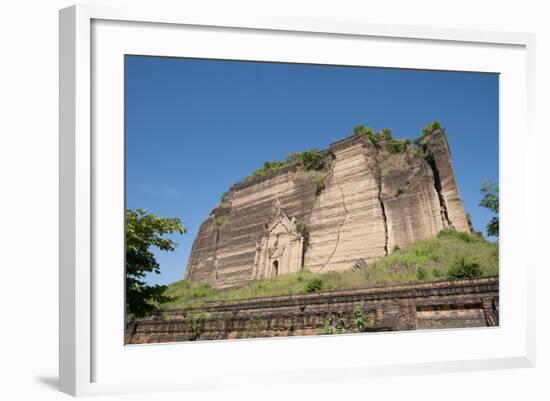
[144, 230]
[490, 201]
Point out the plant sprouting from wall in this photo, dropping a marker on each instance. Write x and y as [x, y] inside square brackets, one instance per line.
[361, 320]
[335, 324]
[303, 229]
[196, 325]
[431, 127]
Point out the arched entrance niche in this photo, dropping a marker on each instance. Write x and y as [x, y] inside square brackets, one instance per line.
[280, 251]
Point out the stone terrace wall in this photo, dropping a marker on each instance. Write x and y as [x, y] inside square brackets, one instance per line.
[435, 305]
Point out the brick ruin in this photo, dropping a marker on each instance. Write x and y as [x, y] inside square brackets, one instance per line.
[366, 202]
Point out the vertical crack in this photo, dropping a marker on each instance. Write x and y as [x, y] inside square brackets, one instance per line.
[430, 159]
[308, 214]
[384, 216]
[341, 223]
[382, 206]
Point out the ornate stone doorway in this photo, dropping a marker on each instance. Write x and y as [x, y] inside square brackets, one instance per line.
[280, 251]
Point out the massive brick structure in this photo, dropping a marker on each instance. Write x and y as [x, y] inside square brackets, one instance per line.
[368, 200]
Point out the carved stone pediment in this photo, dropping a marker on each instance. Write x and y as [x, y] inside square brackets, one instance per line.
[280, 251]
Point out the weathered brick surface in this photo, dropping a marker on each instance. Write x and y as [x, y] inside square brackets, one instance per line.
[366, 202]
[442, 304]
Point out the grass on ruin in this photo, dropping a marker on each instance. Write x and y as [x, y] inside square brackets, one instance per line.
[450, 255]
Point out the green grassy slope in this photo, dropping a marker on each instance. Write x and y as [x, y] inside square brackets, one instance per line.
[450, 255]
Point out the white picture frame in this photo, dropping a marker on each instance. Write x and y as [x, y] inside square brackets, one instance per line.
[87, 364]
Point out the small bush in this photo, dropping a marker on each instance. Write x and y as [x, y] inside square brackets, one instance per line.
[394, 145]
[362, 130]
[421, 273]
[196, 322]
[374, 137]
[386, 134]
[220, 220]
[303, 229]
[268, 167]
[319, 184]
[314, 285]
[464, 268]
[360, 319]
[429, 128]
[398, 146]
[328, 326]
[311, 159]
[341, 322]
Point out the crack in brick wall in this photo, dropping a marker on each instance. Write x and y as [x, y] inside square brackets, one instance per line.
[355, 215]
[341, 223]
[382, 206]
[437, 185]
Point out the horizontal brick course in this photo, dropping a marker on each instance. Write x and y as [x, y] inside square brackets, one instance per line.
[440, 304]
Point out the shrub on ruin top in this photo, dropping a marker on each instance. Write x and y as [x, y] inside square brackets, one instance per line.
[311, 160]
[398, 145]
[394, 145]
[373, 136]
[431, 127]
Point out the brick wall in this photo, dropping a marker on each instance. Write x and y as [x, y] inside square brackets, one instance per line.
[435, 305]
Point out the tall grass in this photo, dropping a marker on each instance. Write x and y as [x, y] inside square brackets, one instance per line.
[423, 261]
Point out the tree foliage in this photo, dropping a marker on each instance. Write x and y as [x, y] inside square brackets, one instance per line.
[143, 231]
[490, 201]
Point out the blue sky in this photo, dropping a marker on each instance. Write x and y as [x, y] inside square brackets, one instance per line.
[195, 127]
